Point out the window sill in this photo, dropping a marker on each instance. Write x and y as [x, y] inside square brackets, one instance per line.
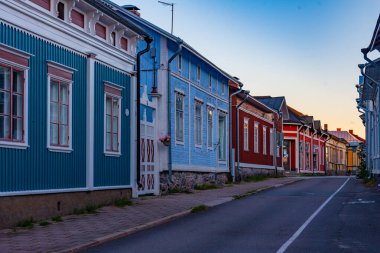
[180, 143]
[112, 154]
[198, 146]
[210, 149]
[60, 150]
[14, 145]
[222, 162]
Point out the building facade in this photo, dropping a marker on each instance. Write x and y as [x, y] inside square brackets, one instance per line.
[186, 100]
[258, 125]
[66, 83]
[336, 155]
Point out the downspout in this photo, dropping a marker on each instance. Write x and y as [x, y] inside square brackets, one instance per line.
[170, 168]
[148, 40]
[246, 92]
[312, 148]
[299, 154]
[232, 165]
[275, 142]
[325, 151]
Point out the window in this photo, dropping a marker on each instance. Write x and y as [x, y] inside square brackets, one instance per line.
[271, 141]
[77, 18]
[124, 43]
[256, 138]
[279, 143]
[180, 62]
[209, 127]
[61, 10]
[301, 155]
[222, 88]
[245, 138]
[198, 73]
[43, 3]
[12, 99]
[198, 123]
[59, 110]
[307, 157]
[209, 81]
[59, 113]
[113, 39]
[100, 30]
[222, 137]
[179, 117]
[264, 140]
[112, 112]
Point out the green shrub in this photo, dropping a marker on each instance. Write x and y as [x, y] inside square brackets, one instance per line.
[199, 208]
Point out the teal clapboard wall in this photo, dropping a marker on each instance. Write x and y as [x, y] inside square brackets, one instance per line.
[36, 168]
[111, 170]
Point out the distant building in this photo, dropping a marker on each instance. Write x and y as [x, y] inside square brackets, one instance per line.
[336, 155]
[353, 148]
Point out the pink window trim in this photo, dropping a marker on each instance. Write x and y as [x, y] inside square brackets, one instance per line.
[10, 115]
[60, 73]
[112, 90]
[59, 114]
[111, 127]
[23, 61]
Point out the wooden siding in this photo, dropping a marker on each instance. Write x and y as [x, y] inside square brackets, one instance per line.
[111, 170]
[36, 168]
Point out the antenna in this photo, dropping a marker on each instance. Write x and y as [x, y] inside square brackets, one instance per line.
[172, 5]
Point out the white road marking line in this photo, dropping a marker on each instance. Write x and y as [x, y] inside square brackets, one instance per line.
[302, 228]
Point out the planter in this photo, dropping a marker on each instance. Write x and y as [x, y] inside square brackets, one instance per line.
[166, 143]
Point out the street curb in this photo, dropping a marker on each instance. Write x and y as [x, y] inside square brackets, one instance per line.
[104, 239]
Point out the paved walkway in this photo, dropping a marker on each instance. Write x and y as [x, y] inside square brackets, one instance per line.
[82, 231]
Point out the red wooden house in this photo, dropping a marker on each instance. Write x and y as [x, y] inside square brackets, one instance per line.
[259, 126]
[304, 143]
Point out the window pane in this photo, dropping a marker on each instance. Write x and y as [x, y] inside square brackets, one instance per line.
[54, 91]
[4, 127]
[222, 139]
[17, 107]
[115, 107]
[115, 143]
[4, 78]
[17, 82]
[108, 141]
[17, 129]
[64, 114]
[115, 125]
[63, 135]
[54, 112]
[108, 105]
[54, 134]
[64, 94]
[108, 124]
[4, 102]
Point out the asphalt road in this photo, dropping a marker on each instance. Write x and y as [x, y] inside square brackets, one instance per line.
[308, 216]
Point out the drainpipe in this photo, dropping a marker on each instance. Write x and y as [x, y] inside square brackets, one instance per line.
[148, 40]
[325, 149]
[246, 92]
[312, 148]
[170, 171]
[232, 165]
[298, 139]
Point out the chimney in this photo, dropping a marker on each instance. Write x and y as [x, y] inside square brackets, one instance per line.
[351, 131]
[133, 9]
[326, 127]
[339, 129]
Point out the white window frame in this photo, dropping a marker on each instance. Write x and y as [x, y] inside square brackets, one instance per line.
[256, 138]
[209, 136]
[198, 145]
[50, 147]
[24, 144]
[180, 62]
[271, 142]
[246, 134]
[198, 73]
[108, 94]
[264, 140]
[183, 119]
[222, 88]
[278, 146]
[210, 81]
[223, 115]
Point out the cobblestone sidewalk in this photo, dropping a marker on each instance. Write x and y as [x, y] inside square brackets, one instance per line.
[82, 231]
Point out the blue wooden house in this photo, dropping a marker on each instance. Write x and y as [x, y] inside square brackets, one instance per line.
[184, 106]
[67, 77]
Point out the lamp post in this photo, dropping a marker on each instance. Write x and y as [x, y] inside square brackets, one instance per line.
[172, 5]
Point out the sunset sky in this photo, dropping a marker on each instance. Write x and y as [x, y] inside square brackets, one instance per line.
[305, 50]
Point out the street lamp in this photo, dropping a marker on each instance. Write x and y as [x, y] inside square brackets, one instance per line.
[172, 5]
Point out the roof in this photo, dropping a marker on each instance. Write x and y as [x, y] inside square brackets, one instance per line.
[256, 103]
[129, 15]
[273, 102]
[293, 117]
[375, 41]
[351, 139]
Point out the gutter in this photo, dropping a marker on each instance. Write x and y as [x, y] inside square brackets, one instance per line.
[246, 92]
[148, 40]
[170, 165]
[232, 165]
